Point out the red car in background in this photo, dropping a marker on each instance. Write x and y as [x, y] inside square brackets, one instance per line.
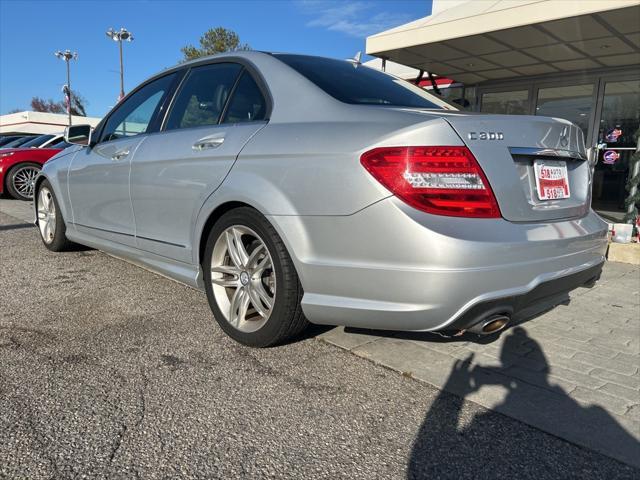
[20, 166]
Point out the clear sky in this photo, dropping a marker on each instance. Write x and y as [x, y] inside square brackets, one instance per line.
[30, 31]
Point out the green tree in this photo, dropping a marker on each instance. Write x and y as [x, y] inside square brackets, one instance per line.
[214, 40]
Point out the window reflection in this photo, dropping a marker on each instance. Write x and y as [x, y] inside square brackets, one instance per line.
[573, 103]
[509, 103]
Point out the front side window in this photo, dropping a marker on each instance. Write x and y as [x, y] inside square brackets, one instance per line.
[134, 116]
[360, 85]
[203, 96]
[247, 103]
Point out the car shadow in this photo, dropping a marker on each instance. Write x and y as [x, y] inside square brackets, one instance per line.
[451, 440]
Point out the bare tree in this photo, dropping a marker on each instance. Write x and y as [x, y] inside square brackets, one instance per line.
[78, 103]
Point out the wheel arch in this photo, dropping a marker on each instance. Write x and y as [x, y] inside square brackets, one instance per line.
[211, 220]
[55, 186]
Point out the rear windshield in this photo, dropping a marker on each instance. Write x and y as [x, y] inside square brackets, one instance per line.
[359, 85]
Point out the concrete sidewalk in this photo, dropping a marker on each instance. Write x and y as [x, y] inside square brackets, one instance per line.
[573, 371]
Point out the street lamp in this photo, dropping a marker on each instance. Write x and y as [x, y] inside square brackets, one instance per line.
[122, 35]
[67, 56]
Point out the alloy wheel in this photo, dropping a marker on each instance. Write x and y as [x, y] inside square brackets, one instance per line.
[243, 278]
[24, 181]
[46, 215]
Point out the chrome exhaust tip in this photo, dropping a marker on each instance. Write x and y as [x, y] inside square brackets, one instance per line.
[491, 324]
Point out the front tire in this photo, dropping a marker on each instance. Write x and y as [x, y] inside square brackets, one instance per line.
[251, 283]
[21, 180]
[50, 222]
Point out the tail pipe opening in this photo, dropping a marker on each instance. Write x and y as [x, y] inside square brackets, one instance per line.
[491, 324]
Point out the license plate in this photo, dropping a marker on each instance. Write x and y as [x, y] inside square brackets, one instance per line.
[552, 179]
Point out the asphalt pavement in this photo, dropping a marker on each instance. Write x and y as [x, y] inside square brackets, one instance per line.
[110, 371]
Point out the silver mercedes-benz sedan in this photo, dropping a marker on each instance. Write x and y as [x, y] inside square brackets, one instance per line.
[297, 189]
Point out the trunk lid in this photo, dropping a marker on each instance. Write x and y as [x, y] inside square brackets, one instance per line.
[506, 148]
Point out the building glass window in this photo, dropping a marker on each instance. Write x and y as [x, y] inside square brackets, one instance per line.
[573, 103]
[618, 131]
[509, 103]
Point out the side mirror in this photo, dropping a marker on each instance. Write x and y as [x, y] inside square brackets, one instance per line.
[78, 134]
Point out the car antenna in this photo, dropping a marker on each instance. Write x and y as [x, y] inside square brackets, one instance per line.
[356, 59]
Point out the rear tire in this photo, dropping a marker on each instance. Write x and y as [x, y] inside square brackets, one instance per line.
[21, 180]
[50, 222]
[251, 283]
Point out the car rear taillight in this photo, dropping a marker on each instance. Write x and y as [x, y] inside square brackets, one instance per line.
[438, 180]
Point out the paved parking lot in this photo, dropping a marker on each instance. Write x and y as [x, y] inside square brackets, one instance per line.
[110, 371]
[573, 371]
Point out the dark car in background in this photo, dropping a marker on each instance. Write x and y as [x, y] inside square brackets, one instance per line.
[10, 139]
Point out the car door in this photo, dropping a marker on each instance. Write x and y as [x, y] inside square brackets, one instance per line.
[217, 109]
[99, 175]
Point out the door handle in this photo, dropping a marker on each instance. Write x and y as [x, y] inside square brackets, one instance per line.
[120, 155]
[206, 143]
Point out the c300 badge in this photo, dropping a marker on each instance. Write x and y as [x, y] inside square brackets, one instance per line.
[486, 136]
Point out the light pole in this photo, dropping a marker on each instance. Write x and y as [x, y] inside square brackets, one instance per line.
[122, 35]
[67, 56]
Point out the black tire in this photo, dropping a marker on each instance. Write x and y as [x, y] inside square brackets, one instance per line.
[58, 242]
[286, 320]
[23, 168]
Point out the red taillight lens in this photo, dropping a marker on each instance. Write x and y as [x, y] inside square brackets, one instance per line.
[438, 180]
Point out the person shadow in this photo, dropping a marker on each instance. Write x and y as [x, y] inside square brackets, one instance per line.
[459, 440]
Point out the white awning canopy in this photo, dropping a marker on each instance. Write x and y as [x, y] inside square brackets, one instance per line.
[484, 40]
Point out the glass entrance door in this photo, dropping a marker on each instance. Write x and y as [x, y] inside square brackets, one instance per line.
[617, 139]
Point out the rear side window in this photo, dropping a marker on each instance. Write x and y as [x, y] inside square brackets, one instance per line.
[357, 84]
[203, 96]
[247, 103]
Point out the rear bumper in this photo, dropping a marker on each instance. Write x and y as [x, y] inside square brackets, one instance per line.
[392, 267]
[535, 299]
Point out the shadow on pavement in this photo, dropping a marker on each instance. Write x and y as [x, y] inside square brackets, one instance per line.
[483, 448]
[15, 226]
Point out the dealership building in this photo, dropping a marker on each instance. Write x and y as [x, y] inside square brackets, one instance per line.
[573, 59]
[38, 123]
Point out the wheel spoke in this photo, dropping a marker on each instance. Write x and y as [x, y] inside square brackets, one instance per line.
[256, 303]
[264, 263]
[244, 306]
[242, 252]
[233, 307]
[253, 258]
[225, 270]
[263, 295]
[238, 308]
[232, 250]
